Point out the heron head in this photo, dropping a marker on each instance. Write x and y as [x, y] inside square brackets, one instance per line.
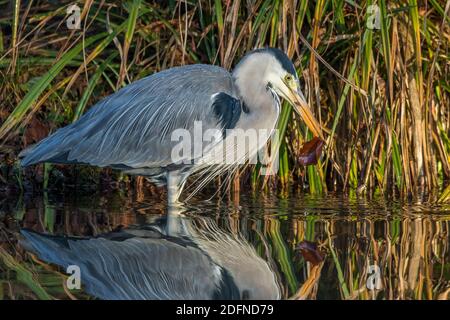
[271, 68]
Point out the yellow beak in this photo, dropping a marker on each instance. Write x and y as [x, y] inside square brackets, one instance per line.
[297, 99]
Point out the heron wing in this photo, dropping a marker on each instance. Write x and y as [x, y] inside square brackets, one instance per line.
[227, 109]
[132, 128]
[134, 268]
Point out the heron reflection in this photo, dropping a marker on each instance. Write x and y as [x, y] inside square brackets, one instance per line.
[174, 257]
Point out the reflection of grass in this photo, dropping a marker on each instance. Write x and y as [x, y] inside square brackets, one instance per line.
[340, 274]
[408, 268]
[23, 275]
[411, 251]
[26, 277]
[282, 255]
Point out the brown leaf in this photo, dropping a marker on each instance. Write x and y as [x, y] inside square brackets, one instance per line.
[310, 252]
[311, 151]
[35, 132]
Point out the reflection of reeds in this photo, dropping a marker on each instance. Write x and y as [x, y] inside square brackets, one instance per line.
[22, 275]
[413, 266]
[411, 250]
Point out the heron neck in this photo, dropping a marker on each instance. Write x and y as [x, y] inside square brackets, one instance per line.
[254, 94]
[260, 111]
[249, 78]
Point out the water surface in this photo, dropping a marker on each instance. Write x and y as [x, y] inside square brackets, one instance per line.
[262, 246]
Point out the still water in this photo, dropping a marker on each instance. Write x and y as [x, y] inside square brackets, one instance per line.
[115, 246]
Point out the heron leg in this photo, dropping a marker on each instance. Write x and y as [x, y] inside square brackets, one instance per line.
[174, 223]
[175, 183]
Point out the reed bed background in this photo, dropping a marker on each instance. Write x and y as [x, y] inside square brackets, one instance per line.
[382, 91]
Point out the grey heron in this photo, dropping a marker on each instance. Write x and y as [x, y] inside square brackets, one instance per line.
[131, 129]
[195, 260]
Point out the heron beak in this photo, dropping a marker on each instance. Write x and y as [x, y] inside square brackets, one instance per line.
[296, 98]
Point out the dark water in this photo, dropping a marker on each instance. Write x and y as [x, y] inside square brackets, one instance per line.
[303, 247]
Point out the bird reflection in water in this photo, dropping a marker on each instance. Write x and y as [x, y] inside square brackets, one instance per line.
[174, 257]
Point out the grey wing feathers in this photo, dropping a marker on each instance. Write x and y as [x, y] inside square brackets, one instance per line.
[132, 128]
[135, 268]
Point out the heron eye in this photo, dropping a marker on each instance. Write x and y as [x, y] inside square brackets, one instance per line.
[288, 78]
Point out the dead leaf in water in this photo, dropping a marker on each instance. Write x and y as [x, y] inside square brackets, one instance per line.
[310, 252]
[311, 151]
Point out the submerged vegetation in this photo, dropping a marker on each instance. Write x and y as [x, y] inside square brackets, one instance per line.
[376, 74]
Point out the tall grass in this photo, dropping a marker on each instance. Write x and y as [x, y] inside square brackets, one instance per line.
[386, 116]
